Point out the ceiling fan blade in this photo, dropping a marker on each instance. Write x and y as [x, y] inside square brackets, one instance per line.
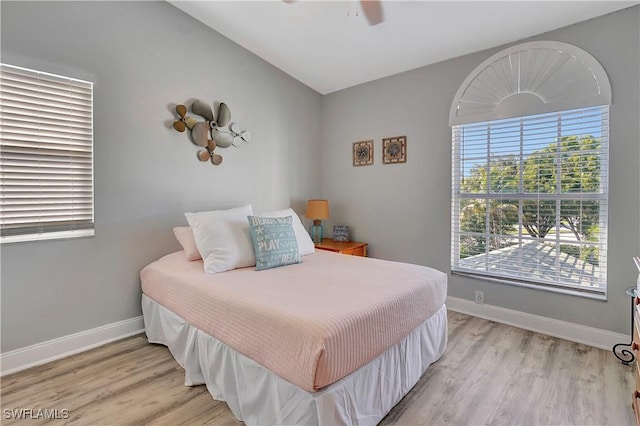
[372, 9]
[200, 108]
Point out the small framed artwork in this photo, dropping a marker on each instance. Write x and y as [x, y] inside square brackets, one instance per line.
[340, 233]
[363, 153]
[394, 150]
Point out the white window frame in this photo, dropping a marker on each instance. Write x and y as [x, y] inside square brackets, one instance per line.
[524, 80]
[46, 156]
[489, 270]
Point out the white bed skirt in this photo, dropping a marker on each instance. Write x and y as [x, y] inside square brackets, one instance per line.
[257, 396]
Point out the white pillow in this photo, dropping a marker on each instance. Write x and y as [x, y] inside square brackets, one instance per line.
[305, 244]
[223, 238]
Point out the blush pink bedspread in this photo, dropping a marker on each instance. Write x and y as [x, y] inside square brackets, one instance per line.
[311, 323]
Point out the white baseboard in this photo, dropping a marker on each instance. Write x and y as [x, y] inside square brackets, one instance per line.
[591, 336]
[41, 353]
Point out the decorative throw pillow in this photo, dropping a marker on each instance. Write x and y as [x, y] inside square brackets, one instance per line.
[274, 241]
[305, 244]
[185, 237]
[222, 238]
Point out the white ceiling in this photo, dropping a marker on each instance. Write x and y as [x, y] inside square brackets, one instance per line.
[328, 45]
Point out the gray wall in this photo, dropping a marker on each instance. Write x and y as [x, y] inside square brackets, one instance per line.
[403, 211]
[143, 58]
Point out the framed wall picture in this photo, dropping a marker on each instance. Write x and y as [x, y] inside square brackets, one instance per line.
[394, 150]
[363, 153]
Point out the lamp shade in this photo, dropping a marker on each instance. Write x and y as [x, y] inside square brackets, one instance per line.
[317, 209]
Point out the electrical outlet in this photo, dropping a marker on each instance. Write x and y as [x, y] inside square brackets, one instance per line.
[480, 297]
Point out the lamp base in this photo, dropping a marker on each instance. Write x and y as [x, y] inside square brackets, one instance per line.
[316, 231]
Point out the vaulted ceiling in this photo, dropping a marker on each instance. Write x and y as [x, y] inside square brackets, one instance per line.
[329, 45]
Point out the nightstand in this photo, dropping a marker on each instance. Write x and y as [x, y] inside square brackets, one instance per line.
[353, 248]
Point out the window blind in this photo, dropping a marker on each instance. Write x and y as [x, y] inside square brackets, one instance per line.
[529, 201]
[46, 155]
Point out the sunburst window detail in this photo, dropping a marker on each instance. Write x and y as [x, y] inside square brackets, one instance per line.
[531, 78]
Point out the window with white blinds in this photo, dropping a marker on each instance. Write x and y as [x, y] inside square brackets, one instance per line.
[529, 200]
[46, 156]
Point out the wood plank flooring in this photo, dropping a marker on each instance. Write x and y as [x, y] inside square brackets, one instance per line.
[490, 374]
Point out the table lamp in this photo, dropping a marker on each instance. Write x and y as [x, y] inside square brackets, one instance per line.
[317, 210]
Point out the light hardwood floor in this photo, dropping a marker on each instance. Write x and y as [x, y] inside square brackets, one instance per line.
[490, 374]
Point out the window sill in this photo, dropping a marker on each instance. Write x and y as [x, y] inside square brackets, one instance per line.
[589, 294]
[47, 236]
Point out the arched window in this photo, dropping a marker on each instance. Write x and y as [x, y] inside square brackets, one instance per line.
[530, 177]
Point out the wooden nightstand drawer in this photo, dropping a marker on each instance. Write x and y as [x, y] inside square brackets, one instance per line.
[359, 251]
[353, 248]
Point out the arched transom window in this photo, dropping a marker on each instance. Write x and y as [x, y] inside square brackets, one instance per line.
[530, 140]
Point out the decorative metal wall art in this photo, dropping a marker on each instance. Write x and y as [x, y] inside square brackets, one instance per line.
[394, 150]
[363, 153]
[210, 134]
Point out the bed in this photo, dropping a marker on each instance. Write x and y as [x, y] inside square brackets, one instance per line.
[285, 334]
[335, 339]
